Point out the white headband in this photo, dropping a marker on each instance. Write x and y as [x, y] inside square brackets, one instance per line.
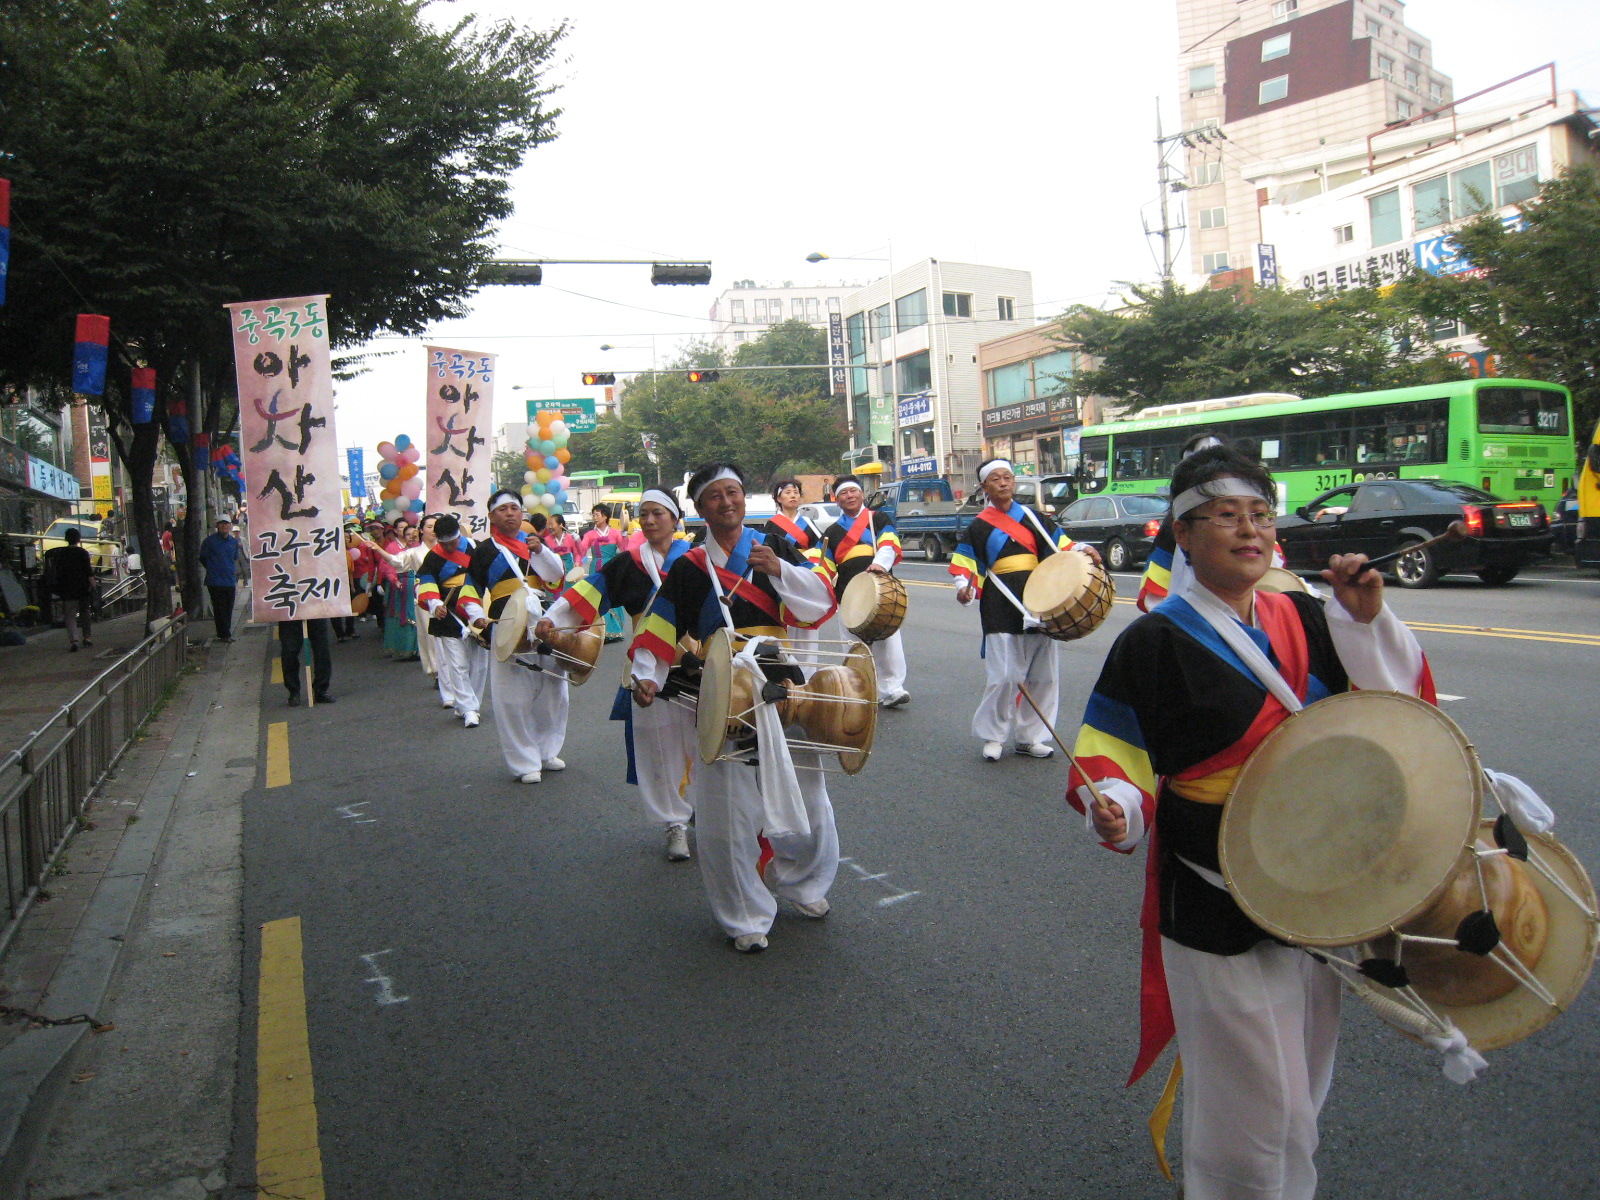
[990, 468]
[848, 483]
[717, 478]
[657, 496]
[1215, 489]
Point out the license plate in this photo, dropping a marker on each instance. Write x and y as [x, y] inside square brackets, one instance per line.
[1520, 520]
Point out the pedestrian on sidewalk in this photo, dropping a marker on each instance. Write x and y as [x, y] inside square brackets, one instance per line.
[290, 639]
[221, 555]
[69, 573]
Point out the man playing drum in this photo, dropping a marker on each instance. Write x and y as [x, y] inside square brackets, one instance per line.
[753, 586]
[864, 540]
[442, 584]
[530, 691]
[998, 552]
[1186, 693]
[660, 738]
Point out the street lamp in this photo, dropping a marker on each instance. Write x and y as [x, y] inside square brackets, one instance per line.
[609, 346]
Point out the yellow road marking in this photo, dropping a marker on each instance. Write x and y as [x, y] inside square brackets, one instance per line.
[288, 1160]
[278, 754]
[1521, 635]
[277, 670]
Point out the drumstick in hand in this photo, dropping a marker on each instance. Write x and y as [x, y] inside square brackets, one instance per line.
[1099, 800]
[1456, 532]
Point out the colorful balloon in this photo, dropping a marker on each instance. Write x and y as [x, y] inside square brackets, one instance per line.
[388, 470]
[386, 451]
[563, 455]
[548, 501]
[558, 428]
[402, 443]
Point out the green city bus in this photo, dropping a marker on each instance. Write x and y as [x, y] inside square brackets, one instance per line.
[1512, 437]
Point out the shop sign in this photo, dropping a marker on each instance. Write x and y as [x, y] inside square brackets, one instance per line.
[1030, 415]
[917, 409]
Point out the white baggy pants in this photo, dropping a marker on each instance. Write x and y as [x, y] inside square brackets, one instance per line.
[425, 643]
[1010, 660]
[530, 713]
[463, 673]
[889, 656]
[1257, 1032]
[663, 747]
[728, 818]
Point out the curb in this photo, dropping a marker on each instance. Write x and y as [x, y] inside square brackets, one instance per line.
[34, 1068]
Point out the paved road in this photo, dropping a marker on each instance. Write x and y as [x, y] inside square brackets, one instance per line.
[509, 993]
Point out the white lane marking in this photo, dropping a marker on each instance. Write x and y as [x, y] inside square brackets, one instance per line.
[350, 813]
[897, 894]
[385, 984]
[1447, 696]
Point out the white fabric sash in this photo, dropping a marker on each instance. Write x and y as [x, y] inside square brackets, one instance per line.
[783, 810]
[1221, 618]
[1029, 621]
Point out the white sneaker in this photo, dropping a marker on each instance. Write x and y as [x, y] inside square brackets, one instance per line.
[992, 751]
[750, 943]
[470, 721]
[816, 910]
[446, 704]
[528, 777]
[554, 764]
[677, 843]
[1035, 749]
[895, 700]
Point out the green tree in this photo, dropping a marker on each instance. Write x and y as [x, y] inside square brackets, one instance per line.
[759, 419]
[1174, 345]
[168, 156]
[1536, 306]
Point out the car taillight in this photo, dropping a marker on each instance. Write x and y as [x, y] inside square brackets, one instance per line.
[1473, 515]
[1152, 527]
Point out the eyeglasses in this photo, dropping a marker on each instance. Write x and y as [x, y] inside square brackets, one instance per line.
[1228, 520]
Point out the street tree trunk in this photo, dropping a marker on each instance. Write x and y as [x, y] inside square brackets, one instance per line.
[140, 460]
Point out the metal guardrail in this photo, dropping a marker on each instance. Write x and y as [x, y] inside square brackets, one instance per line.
[46, 783]
[124, 596]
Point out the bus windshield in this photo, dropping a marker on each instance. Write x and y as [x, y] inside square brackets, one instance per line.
[1522, 410]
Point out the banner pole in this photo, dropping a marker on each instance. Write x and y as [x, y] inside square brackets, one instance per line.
[305, 640]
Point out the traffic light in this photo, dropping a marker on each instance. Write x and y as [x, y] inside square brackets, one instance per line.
[598, 378]
[527, 274]
[704, 376]
[671, 273]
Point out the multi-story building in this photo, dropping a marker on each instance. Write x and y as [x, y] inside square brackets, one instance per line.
[1268, 80]
[916, 398]
[1409, 185]
[747, 309]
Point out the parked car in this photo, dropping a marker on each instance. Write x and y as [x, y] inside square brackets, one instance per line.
[1382, 516]
[103, 552]
[1121, 525]
[823, 513]
[1564, 522]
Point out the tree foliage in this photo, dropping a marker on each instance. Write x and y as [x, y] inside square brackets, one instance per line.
[169, 156]
[1536, 306]
[759, 419]
[1175, 345]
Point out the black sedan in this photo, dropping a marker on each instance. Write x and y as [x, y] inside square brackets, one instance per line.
[1122, 526]
[1382, 516]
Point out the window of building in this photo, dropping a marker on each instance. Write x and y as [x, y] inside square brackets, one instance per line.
[1343, 234]
[1413, 80]
[1431, 201]
[739, 335]
[1273, 89]
[1516, 175]
[1202, 79]
[1385, 66]
[1415, 49]
[1374, 27]
[1052, 374]
[736, 311]
[1213, 218]
[911, 310]
[958, 304]
[855, 332]
[1275, 47]
[1007, 308]
[1283, 10]
[1435, 92]
[1385, 11]
[1383, 211]
[1471, 190]
[916, 373]
[1207, 173]
[880, 323]
[1403, 110]
[760, 311]
[813, 310]
[797, 307]
[1007, 385]
[833, 304]
[1210, 264]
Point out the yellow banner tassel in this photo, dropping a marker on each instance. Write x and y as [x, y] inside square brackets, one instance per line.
[1161, 1116]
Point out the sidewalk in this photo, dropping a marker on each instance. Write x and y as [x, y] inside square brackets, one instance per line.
[166, 815]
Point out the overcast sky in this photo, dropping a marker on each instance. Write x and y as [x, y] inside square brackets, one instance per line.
[752, 134]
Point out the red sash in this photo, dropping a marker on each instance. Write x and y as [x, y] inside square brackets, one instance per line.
[457, 556]
[746, 588]
[800, 536]
[516, 545]
[1020, 534]
[860, 525]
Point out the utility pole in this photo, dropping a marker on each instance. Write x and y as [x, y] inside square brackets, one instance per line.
[1169, 180]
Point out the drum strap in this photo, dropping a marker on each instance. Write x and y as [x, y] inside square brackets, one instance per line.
[1221, 618]
[1029, 621]
[519, 571]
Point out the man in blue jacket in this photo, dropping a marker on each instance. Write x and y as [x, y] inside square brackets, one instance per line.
[220, 554]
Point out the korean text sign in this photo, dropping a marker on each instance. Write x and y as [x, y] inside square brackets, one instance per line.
[298, 565]
[460, 407]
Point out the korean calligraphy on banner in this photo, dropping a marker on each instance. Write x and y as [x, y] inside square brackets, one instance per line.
[460, 405]
[291, 459]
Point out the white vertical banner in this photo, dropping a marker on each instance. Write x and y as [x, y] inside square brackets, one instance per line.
[290, 454]
[460, 408]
